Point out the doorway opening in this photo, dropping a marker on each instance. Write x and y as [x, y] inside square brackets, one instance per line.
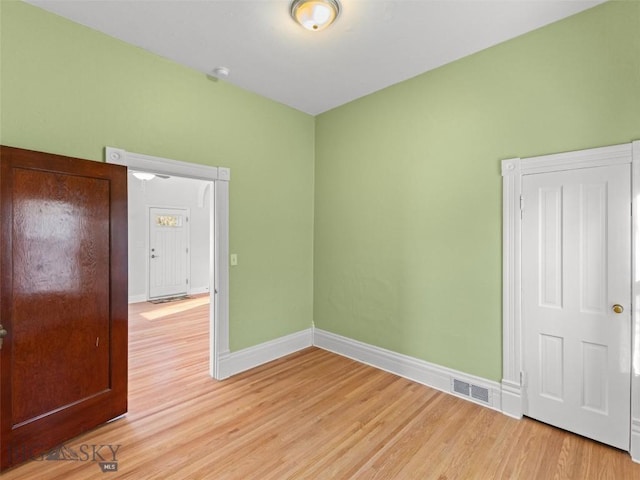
[214, 191]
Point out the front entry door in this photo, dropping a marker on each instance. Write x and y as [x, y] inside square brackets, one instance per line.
[576, 293]
[63, 299]
[168, 252]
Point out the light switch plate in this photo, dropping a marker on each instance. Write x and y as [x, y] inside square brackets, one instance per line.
[234, 259]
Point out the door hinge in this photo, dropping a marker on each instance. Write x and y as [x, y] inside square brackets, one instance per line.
[187, 281]
[187, 218]
[523, 379]
[521, 205]
[187, 249]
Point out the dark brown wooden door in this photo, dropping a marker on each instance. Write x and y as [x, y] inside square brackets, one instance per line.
[63, 299]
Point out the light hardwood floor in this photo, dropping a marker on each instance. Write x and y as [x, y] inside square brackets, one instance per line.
[312, 415]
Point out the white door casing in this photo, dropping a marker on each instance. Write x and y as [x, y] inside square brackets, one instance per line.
[218, 233]
[513, 170]
[576, 265]
[169, 252]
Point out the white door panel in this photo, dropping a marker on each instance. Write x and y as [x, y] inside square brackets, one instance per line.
[576, 245]
[168, 252]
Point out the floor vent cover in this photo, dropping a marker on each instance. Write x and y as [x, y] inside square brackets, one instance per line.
[461, 387]
[468, 390]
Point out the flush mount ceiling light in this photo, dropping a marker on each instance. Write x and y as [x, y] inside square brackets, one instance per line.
[144, 175]
[315, 15]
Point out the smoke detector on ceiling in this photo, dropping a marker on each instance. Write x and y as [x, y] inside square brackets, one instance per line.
[220, 72]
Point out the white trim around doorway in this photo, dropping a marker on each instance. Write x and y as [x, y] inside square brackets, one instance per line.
[219, 178]
[512, 173]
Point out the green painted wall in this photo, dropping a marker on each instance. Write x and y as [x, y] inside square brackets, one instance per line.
[408, 186]
[67, 89]
[407, 243]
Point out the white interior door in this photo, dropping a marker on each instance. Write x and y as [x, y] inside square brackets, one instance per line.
[576, 294]
[168, 252]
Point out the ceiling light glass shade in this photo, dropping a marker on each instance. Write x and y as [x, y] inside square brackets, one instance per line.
[144, 175]
[315, 15]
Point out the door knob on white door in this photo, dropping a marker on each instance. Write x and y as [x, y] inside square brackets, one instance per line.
[617, 308]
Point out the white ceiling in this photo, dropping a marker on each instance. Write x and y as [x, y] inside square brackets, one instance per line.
[373, 44]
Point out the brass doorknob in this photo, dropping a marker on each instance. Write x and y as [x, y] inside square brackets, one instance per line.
[618, 308]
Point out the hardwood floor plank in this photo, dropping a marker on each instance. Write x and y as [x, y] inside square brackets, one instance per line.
[312, 415]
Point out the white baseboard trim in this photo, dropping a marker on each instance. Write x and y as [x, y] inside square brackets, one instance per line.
[414, 369]
[137, 298]
[634, 448]
[429, 374]
[143, 297]
[512, 399]
[198, 290]
[233, 363]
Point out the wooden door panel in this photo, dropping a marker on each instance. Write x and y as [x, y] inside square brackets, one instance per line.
[61, 254]
[63, 285]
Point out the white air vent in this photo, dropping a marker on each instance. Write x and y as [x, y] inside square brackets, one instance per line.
[467, 389]
[461, 387]
[480, 393]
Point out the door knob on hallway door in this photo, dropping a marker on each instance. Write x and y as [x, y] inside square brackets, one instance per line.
[617, 308]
